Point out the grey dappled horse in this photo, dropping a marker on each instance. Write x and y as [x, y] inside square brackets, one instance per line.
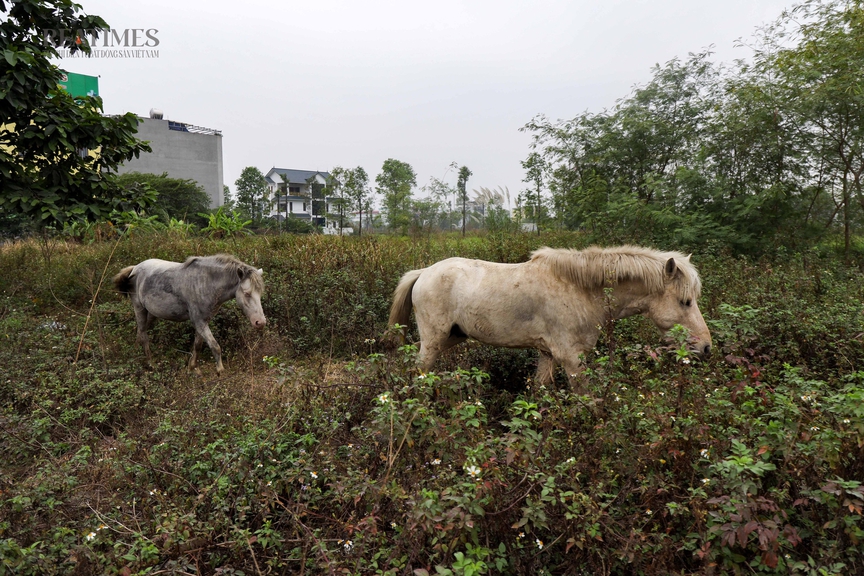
[555, 302]
[193, 290]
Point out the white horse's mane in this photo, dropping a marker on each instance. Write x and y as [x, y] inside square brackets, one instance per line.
[596, 267]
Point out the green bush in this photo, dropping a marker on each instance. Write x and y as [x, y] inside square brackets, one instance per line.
[319, 450]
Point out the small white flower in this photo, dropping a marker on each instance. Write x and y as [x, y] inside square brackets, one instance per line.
[662, 393]
[704, 453]
[706, 480]
[617, 398]
[539, 543]
[474, 471]
[384, 398]
[478, 403]
[814, 428]
[571, 460]
[348, 546]
[313, 474]
[648, 512]
[393, 525]
[846, 421]
[260, 466]
[90, 536]
[640, 414]
[270, 483]
[685, 360]
[521, 534]
[436, 462]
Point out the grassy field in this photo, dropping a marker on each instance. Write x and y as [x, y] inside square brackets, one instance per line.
[320, 450]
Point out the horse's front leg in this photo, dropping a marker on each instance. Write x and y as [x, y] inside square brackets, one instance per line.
[202, 330]
[545, 369]
[572, 363]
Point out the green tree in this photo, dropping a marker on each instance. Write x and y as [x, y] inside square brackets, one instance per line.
[253, 194]
[227, 199]
[335, 190]
[48, 174]
[444, 193]
[820, 90]
[461, 183]
[177, 198]
[395, 183]
[357, 190]
[535, 167]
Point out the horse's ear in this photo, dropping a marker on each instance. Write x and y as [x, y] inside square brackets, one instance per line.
[241, 273]
[671, 267]
[261, 271]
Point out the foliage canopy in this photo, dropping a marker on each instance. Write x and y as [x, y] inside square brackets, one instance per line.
[57, 154]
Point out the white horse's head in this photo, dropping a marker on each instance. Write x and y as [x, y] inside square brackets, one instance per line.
[676, 304]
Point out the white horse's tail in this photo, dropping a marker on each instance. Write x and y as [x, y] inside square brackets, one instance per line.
[400, 311]
[123, 283]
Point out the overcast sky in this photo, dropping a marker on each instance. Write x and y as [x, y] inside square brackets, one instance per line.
[313, 85]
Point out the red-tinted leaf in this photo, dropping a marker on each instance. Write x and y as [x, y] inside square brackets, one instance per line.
[770, 559]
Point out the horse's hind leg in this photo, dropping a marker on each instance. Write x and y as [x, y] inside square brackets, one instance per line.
[143, 320]
[196, 347]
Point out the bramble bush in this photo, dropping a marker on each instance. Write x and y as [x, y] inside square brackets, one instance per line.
[320, 450]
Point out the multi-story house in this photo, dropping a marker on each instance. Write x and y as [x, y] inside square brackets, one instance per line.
[301, 194]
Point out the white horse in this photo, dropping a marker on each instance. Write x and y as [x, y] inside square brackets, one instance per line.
[193, 290]
[555, 302]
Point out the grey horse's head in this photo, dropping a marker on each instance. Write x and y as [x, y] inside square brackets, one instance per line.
[248, 295]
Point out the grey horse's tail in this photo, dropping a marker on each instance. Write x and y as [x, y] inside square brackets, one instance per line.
[400, 311]
[122, 281]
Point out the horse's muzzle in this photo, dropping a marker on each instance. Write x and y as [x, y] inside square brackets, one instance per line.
[259, 323]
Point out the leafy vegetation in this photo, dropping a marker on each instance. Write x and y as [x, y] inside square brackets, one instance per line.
[177, 198]
[760, 153]
[48, 175]
[321, 450]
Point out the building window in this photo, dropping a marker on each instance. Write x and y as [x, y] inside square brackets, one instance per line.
[294, 189]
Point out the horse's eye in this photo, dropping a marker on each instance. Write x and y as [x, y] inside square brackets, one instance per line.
[687, 302]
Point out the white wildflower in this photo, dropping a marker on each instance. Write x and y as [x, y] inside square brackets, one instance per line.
[90, 536]
[314, 475]
[685, 360]
[436, 462]
[539, 543]
[472, 470]
[384, 398]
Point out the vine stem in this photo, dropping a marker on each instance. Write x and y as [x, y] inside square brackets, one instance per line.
[95, 296]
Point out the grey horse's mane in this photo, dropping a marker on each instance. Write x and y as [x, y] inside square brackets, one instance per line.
[596, 267]
[233, 264]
